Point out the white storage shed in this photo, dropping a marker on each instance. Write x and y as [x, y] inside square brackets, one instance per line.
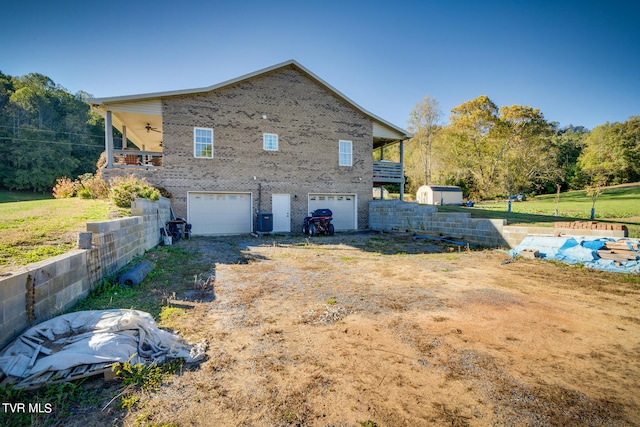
[439, 195]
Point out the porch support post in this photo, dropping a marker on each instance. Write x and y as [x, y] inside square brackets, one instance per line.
[124, 137]
[402, 170]
[108, 139]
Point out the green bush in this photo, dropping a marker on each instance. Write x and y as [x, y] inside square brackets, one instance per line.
[125, 190]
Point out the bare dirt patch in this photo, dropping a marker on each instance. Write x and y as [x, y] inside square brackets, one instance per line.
[367, 329]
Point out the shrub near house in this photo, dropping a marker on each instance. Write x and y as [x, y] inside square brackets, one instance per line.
[122, 191]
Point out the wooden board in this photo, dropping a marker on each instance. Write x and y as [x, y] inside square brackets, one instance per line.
[621, 256]
[624, 245]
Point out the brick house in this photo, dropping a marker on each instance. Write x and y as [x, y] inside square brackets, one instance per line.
[278, 140]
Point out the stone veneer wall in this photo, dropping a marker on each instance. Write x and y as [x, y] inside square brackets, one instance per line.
[39, 291]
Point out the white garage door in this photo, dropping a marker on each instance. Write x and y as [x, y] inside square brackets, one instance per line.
[219, 213]
[343, 207]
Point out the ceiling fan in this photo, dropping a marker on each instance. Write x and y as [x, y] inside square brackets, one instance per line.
[150, 128]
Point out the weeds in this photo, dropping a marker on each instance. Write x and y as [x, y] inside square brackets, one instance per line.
[129, 402]
[147, 377]
[167, 313]
[143, 377]
[109, 294]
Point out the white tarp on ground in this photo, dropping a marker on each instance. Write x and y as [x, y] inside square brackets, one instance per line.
[93, 337]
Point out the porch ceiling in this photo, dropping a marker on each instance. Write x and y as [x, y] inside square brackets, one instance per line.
[383, 142]
[144, 130]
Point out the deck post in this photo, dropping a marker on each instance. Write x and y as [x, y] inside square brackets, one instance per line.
[108, 139]
[402, 170]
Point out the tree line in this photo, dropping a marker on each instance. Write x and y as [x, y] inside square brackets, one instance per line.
[493, 151]
[45, 133]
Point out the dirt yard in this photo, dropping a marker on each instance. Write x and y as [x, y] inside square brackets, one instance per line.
[387, 330]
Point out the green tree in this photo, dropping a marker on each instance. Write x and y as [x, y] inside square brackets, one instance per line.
[491, 151]
[568, 143]
[423, 123]
[529, 158]
[33, 95]
[45, 133]
[612, 151]
[472, 144]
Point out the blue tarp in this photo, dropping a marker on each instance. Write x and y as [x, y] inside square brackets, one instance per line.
[578, 250]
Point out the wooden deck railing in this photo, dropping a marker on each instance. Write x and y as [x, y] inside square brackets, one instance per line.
[387, 172]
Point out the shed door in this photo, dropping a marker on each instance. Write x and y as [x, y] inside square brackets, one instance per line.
[343, 207]
[219, 213]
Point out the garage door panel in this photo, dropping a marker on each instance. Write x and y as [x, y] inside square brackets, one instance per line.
[343, 207]
[220, 213]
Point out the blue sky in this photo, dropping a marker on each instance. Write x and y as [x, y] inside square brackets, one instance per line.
[577, 61]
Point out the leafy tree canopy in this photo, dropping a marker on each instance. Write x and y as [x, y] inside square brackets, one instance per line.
[492, 151]
[612, 152]
[45, 133]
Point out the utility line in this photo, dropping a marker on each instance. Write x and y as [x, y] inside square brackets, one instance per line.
[49, 142]
[54, 131]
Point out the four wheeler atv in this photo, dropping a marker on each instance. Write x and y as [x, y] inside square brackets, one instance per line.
[318, 223]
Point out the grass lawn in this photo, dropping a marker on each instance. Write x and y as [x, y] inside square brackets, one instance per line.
[34, 230]
[618, 204]
[22, 196]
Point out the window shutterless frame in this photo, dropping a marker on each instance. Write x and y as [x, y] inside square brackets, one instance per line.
[270, 141]
[345, 153]
[203, 143]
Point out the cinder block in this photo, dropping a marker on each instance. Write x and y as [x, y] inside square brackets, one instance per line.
[45, 308]
[102, 227]
[13, 307]
[44, 272]
[68, 295]
[10, 330]
[41, 290]
[13, 285]
[57, 284]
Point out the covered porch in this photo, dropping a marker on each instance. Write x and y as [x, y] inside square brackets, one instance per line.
[387, 171]
[133, 132]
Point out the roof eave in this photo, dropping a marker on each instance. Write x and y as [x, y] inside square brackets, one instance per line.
[152, 95]
[98, 103]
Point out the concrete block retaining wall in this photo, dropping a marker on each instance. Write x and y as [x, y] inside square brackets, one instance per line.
[39, 291]
[425, 219]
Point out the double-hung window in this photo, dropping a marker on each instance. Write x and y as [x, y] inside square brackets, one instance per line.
[203, 143]
[270, 142]
[345, 153]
